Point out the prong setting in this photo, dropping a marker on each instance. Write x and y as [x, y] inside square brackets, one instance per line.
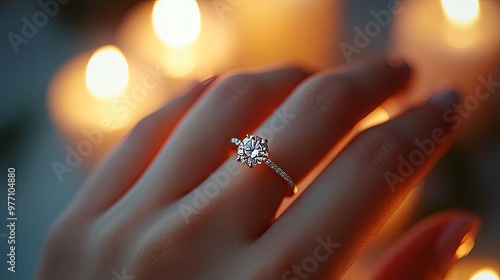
[254, 150]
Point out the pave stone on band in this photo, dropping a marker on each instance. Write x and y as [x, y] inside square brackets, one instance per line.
[253, 151]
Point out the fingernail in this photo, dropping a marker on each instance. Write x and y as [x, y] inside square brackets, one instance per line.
[444, 98]
[456, 241]
[399, 65]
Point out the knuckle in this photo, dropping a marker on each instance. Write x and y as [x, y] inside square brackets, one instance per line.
[162, 248]
[235, 87]
[57, 236]
[292, 70]
[323, 96]
[113, 237]
[61, 239]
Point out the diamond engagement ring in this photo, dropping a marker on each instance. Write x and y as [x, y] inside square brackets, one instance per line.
[254, 150]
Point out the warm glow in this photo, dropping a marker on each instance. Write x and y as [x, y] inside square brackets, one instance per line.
[177, 22]
[465, 248]
[461, 11]
[107, 72]
[485, 274]
[378, 116]
[179, 63]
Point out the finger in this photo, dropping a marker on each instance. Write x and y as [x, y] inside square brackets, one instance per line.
[363, 185]
[200, 144]
[322, 110]
[125, 165]
[428, 249]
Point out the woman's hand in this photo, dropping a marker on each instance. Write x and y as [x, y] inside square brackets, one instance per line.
[171, 202]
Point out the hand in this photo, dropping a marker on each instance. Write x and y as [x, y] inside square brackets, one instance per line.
[171, 202]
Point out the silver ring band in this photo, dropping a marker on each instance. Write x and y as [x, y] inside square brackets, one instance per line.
[254, 150]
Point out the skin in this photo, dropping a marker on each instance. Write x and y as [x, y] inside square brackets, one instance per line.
[171, 202]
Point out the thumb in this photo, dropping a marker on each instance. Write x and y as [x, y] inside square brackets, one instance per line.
[429, 248]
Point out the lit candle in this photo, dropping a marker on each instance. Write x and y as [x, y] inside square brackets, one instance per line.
[94, 99]
[185, 37]
[451, 41]
[475, 269]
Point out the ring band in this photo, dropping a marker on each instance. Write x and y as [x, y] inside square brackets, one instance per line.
[254, 150]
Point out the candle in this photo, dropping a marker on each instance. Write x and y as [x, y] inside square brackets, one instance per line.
[94, 99]
[475, 269]
[485, 274]
[449, 41]
[186, 38]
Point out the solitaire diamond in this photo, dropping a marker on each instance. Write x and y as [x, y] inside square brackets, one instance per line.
[253, 150]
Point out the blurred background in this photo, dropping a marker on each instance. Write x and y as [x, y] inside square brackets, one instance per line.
[77, 75]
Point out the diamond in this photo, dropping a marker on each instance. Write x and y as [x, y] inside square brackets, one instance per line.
[253, 150]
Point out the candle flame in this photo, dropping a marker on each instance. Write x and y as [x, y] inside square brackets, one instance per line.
[177, 22]
[107, 72]
[485, 274]
[461, 11]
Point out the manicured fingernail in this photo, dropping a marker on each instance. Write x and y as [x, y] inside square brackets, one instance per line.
[444, 98]
[456, 241]
[399, 65]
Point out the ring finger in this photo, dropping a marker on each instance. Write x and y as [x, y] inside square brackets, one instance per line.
[321, 112]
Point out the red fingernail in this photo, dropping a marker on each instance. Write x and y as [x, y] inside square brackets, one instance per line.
[456, 241]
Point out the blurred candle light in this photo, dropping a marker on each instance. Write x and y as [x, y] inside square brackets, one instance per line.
[177, 22]
[485, 274]
[448, 41]
[462, 16]
[474, 268]
[461, 12]
[185, 38]
[107, 72]
[95, 98]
